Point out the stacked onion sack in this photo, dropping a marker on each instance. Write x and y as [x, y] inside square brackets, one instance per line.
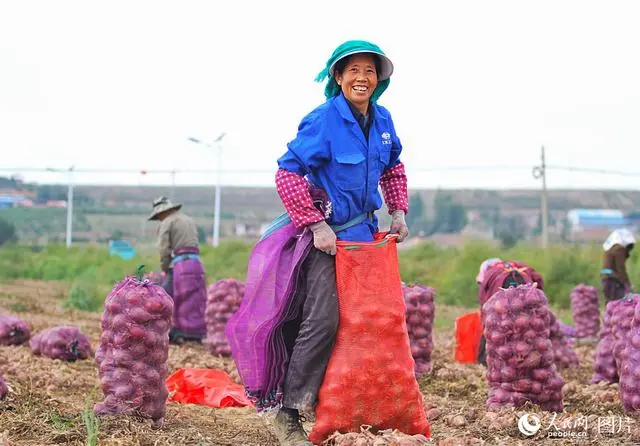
[622, 321]
[564, 355]
[13, 331]
[134, 349]
[586, 311]
[223, 300]
[419, 300]
[4, 390]
[630, 367]
[520, 357]
[65, 342]
[604, 366]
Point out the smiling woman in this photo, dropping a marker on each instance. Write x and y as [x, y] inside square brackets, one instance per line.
[328, 181]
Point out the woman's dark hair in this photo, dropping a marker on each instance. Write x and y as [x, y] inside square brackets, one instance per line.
[342, 64]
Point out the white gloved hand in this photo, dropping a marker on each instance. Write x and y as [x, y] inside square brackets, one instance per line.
[399, 226]
[324, 238]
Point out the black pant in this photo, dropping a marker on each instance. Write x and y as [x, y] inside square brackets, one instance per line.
[314, 332]
[482, 351]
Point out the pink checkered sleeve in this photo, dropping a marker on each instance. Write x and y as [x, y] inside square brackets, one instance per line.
[393, 183]
[294, 193]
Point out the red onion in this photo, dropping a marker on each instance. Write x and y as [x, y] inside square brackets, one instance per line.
[223, 300]
[627, 354]
[564, 355]
[604, 366]
[520, 367]
[419, 319]
[64, 342]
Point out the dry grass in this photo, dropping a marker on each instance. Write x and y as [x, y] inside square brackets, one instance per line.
[49, 399]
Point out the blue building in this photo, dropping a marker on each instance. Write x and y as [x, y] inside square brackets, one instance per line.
[594, 219]
[10, 201]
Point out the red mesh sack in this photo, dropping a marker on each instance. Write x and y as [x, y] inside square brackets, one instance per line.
[64, 342]
[134, 349]
[520, 357]
[468, 328]
[370, 378]
[622, 322]
[564, 354]
[13, 331]
[604, 365]
[419, 300]
[586, 310]
[4, 390]
[223, 300]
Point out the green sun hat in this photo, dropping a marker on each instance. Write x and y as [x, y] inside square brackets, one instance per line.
[347, 49]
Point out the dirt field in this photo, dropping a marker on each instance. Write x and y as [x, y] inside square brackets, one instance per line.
[49, 398]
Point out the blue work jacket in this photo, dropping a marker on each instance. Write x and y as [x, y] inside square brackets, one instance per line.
[331, 151]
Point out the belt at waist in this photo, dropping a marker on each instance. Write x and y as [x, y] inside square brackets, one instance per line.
[181, 257]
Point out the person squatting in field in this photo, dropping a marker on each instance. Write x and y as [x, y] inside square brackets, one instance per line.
[184, 278]
[617, 249]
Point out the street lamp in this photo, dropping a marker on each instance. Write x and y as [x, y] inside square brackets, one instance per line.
[216, 213]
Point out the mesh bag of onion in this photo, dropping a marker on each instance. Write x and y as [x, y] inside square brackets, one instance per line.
[520, 358]
[630, 364]
[4, 390]
[13, 331]
[604, 365]
[370, 378]
[134, 348]
[155, 277]
[419, 300]
[223, 300]
[564, 354]
[585, 308]
[64, 342]
[622, 321]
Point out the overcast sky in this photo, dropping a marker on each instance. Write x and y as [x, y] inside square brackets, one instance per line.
[122, 84]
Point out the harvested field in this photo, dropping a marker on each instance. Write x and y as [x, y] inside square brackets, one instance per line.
[50, 401]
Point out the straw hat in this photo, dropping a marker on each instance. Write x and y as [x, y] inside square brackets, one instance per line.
[161, 205]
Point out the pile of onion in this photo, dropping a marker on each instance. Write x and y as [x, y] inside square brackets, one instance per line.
[13, 331]
[604, 366]
[520, 357]
[223, 300]
[419, 300]
[134, 349]
[64, 342]
[585, 308]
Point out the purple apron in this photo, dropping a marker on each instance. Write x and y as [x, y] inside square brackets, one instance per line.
[189, 292]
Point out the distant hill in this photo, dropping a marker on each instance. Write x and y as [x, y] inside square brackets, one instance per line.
[104, 211]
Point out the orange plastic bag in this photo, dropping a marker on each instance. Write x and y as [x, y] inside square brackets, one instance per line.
[468, 334]
[209, 387]
[370, 377]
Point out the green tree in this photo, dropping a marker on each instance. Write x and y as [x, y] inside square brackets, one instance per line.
[7, 232]
[450, 217]
[202, 235]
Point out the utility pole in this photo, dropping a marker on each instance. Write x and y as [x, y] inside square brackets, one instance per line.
[541, 172]
[70, 207]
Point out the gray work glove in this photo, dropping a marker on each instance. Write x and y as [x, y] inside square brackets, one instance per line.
[324, 238]
[399, 226]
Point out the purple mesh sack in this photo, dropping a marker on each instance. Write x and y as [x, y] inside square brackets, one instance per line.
[622, 321]
[223, 299]
[564, 355]
[65, 342]
[419, 300]
[585, 308]
[255, 332]
[134, 349]
[630, 366]
[604, 366]
[520, 358]
[4, 390]
[13, 331]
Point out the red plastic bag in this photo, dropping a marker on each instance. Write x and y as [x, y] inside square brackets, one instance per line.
[370, 377]
[468, 334]
[209, 387]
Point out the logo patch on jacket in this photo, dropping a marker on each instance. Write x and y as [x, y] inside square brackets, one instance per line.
[386, 138]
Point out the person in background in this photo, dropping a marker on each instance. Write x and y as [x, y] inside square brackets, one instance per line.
[617, 249]
[347, 147]
[184, 276]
